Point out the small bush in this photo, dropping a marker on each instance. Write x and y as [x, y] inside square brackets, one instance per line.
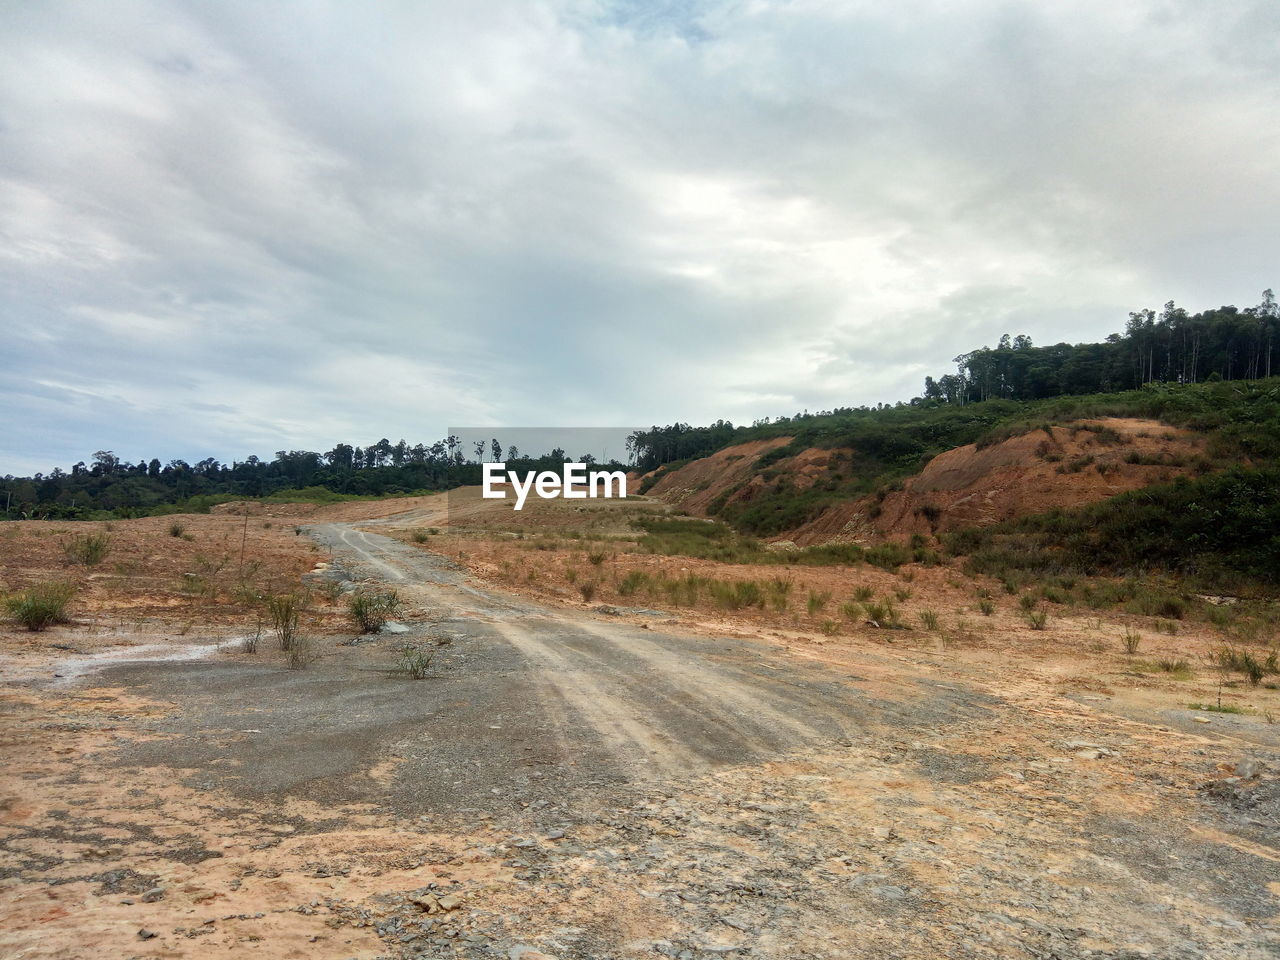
[902, 593]
[415, 662]
[176, 529]
[596, 557]
[89, 549]
[1131, 640]
[300, 653]
[421, 536]
[987, 606]
[778, 593]
[285, 611]
[929, 619]
[250, 644]
[817, 601]
[829, 627]
[371, 610]
[1242, 661]
[1053, 595]
[632, 582]
[1038, 619]
[851, 609]
[881, 612]
[863, 594]
[1028, 602]
[40, 606]
[888, 556]
[588, 591]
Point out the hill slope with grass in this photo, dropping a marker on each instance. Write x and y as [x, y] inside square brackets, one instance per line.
[1061, 476]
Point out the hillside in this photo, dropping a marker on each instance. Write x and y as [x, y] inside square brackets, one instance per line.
[1048, 461]
[1068, 465]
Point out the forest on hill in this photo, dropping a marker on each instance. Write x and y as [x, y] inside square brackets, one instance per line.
[1172, 347]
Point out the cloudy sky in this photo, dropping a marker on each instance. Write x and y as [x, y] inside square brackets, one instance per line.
[233, 228]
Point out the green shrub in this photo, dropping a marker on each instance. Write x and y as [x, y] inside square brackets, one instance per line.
[881, 612]
[929, 619]
[1131, 640]
[987, 606]
[177, 529]
[89, 549]
[1038, 619]
[588, 591]
[421, 536]
[371, 611]
[632, 582]
[778, 593]
[817, 601]
[1243, 661]
[41, 606]
[887, 556]
[285, 611]
[415, 662]
[1217, 529]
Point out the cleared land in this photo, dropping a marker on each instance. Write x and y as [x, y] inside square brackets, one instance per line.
[618, 776]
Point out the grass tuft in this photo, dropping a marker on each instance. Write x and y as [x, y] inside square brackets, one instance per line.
[41, 606]
[371, 611]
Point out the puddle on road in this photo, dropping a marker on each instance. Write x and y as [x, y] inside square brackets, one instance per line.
[76, 667]
[61, 673]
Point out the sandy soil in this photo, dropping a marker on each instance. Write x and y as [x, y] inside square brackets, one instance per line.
[621, 782]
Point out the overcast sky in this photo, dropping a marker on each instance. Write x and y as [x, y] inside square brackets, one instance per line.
[231, 228]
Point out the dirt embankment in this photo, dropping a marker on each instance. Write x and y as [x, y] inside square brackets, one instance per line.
[1068, 465]
[731, 475]
[1056, 467]
[696, 485]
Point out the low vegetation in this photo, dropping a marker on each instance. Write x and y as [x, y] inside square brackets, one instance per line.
[415, 662]
[1216, 532]
[371, 610]
[285, 611]
[89, 549]
[40, 606]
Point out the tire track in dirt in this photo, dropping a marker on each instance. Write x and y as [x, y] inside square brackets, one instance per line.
[662, 710]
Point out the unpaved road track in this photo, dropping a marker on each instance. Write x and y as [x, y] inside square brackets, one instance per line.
[638, 792]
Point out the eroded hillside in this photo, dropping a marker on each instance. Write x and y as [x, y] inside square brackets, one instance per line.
[1059, 466]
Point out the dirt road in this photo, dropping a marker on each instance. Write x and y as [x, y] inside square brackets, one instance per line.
[599, 786]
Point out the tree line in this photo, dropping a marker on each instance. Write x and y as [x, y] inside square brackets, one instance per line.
[1173, 346]
[107, 485]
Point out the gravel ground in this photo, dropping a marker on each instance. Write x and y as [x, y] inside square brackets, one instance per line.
[596, 786]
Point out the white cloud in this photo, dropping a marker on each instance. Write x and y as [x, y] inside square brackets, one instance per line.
[236, 228]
